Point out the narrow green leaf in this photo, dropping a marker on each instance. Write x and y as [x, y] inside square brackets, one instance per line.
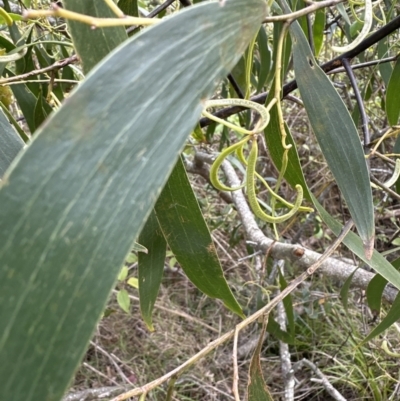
[257, 390]
[294, 173]
[190, 241]
[84, 37]
[342, 11]
[344, 292]
[392, 317]
[396, 149]
[8, 46]
[123, 300]
[319, 30]
[274, 329]
[336, 135]
[376, 287]
[384, 68]
[40, 112]
[14, 123]
[26, 101]
[392, 95]
[265, 58]
[151, 267]
[129, 7]
[10, 143]
[79, 195]
[16, 38]
[374, 292]
[354, 243]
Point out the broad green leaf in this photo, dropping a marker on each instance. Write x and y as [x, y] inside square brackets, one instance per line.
[10, 143]
[85, 38]
[392, 95]
[257, 390]
[151, 267]
[336, 135]
[79, 195]
[123, 300]
[190, 241]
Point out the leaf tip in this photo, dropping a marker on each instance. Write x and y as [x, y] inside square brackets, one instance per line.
[369, 247]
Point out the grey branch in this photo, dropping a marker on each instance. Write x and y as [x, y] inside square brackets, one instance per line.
[325, 382]
[332, 267]
[94, 394]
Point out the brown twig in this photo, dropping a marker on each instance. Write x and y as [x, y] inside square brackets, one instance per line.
[55, 66]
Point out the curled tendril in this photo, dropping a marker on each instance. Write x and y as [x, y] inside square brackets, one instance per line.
[392, 180]
[251, 192]
[240, 156]
[263, 111]
[369, 15]
[217, 164]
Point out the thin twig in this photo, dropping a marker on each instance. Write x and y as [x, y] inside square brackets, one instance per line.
[235, 385]
[94, 394]
[304, 11]
[86, 365]
[105, 353]
[55, 66]
[152, 14]
[325, 382]
[286, 364]
[385, 188]
[360, 103]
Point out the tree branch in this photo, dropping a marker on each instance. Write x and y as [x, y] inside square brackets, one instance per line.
[302, 257]
[328, 66]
